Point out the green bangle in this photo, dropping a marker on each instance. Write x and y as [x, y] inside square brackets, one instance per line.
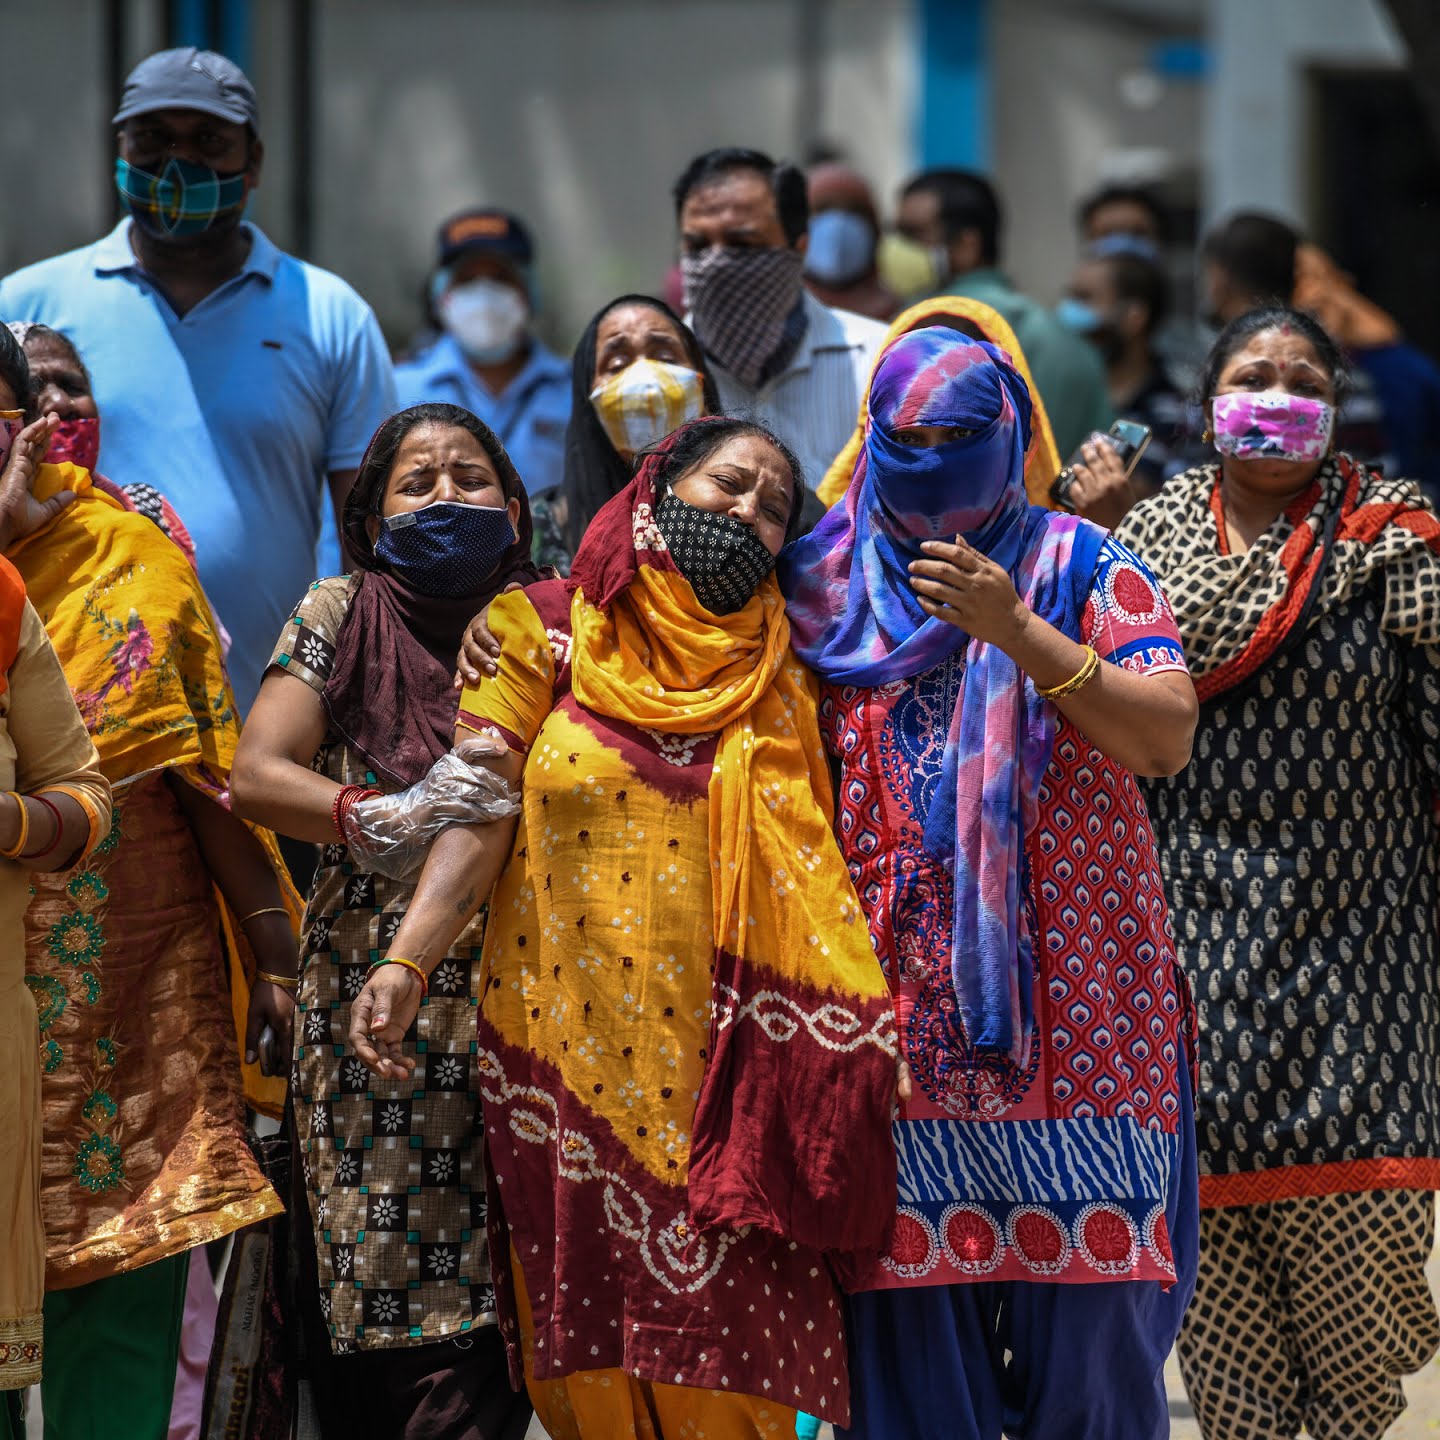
[409, 965]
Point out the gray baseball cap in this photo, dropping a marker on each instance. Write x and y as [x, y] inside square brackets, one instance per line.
[190, 79]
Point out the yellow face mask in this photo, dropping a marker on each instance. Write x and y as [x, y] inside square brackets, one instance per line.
[645, 402]
[909, 268]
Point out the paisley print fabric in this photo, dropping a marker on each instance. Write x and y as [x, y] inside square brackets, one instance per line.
[1299, 848]
[1299, 852]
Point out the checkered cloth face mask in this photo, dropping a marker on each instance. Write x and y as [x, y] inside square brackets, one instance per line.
[723, 560]
[645, 402]
[741, 300]
[183, 199]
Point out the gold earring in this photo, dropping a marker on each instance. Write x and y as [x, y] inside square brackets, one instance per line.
[1208, 437]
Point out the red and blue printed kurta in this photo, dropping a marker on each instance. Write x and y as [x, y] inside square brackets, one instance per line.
[1059, 1172]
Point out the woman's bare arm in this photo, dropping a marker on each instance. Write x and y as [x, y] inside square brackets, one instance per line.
[272, 782]
[241, 868]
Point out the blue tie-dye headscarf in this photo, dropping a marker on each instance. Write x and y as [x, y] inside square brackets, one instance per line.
[856, 621]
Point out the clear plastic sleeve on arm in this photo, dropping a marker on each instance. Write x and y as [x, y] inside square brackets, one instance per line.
[392, 834]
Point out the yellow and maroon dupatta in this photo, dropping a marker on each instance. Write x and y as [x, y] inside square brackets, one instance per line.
[792, 1129]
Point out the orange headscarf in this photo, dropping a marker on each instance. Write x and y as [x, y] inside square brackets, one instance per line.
[1042, 460]
[12, 614]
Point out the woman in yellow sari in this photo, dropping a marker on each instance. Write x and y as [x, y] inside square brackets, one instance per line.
[980, 322]
[687, 1050]
[145, 1156]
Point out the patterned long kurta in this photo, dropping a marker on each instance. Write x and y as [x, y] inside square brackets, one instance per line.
[1060, 1172]
[394, 1170]
[1300, 850]
[145, 1152]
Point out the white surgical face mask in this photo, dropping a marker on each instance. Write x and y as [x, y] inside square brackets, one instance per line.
[488, 318]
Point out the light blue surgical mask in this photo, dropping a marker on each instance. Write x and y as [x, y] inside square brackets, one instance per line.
[841, 248]
[1121, 242]
[1076, 315]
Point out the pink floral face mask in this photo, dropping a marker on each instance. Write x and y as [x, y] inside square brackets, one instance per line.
[12, 422]
[1272, 425]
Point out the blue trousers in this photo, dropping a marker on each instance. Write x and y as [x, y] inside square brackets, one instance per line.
[1025, 1359]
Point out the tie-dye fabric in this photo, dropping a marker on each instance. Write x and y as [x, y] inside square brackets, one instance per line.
[856, 621]
[980, 322]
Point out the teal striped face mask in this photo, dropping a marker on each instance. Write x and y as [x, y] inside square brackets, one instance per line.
[184, 199]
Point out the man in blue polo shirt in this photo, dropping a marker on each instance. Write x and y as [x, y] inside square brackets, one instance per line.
[233, 378]
[487, 357]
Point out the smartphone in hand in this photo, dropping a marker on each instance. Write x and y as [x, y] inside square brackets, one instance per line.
[1129, 437]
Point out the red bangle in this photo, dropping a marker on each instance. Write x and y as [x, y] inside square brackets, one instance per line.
[335, 809]
[344, 798]
[345, 802]
[59, 828]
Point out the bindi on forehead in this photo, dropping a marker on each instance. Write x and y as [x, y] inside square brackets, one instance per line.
[1280, 346]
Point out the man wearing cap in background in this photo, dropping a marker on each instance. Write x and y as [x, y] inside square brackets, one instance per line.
[235, 379]
[487, 357]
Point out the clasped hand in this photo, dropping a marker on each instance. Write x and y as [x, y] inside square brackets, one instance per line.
[970, 591]
[380, 1017]
[391, 834]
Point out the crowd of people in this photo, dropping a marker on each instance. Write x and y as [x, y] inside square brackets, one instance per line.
[772, 878]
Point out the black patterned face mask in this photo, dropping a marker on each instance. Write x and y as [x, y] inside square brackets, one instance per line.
[723, 560]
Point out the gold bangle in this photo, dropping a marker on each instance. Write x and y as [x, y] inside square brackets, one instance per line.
[409, 965]
[14, 852]
[1081, 678]
[268, 910]
[285, 982]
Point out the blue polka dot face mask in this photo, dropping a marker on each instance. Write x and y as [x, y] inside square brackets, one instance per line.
[447, 550]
